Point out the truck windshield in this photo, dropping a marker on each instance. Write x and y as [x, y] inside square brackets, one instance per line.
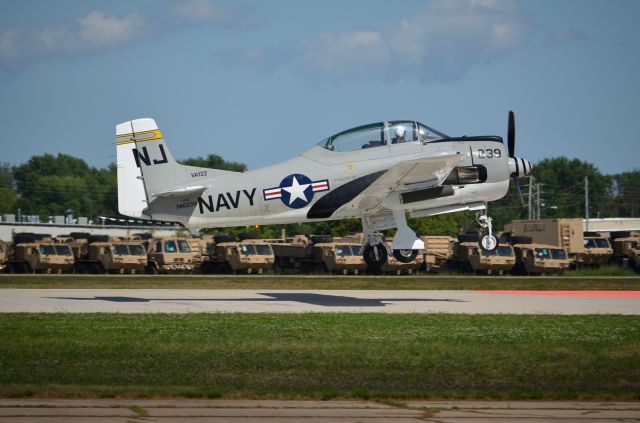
[558, 254]
[137, 250]
[184, 246]
[501, 251]
[47, 250]
[596, 243]
[355, 249]
[247, 249]
[264, 249]
[63, 250]
[543, 253]
[120, 249]
[343, 250]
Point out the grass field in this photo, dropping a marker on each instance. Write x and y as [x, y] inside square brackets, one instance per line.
[320, 356]
[321, 282]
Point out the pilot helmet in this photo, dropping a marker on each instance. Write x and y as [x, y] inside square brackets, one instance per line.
[400, 131]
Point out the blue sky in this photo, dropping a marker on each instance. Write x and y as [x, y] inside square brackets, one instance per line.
[260, 81]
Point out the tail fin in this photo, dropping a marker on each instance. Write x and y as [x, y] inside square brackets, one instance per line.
[147, 170]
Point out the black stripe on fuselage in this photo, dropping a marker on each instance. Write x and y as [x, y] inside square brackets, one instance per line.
[327, 205]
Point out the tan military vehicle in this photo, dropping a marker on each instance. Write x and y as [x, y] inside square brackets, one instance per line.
[171, 255]
[4, 247]
[224, 254]
[394, 266]
[564, 233]
[40, 257]
[626, 252]
[317, 254]
[540, 259]
[113, 257]
[437, 250]
[597, 250]
[468, 257]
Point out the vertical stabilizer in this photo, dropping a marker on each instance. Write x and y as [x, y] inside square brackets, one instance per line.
[132, 200]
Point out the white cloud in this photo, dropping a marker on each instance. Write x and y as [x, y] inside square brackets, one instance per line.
[21, 47]
[565, 35]
[440, 43]
[100, 30]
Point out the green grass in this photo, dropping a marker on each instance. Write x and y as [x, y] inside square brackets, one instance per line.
[321, 282]
[603, 271]
[320, 356]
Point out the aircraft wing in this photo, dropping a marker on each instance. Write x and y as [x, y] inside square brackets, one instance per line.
[412, 174]
[367, 193]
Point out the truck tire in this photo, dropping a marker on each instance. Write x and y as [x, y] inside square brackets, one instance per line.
[521, 239]
[96, 269]
[319, 239]
[98, 238]
[468, 237]
[24, 237]
[151, 269]
[223, 238]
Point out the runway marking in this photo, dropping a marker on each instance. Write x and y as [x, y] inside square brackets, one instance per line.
[598, 294]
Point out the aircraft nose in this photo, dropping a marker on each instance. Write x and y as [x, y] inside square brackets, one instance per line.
[519, 167]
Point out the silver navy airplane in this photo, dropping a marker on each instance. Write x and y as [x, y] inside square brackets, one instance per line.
[377, 173]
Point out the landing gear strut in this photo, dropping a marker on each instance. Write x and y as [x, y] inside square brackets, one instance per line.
[488, 240]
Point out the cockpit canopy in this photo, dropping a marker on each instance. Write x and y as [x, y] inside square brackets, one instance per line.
[381, 134]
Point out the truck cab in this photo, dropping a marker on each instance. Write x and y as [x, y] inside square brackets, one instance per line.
[541, 259]
[170, 255]
[41, 257]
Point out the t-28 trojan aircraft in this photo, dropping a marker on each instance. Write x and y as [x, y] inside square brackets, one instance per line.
[377, 172]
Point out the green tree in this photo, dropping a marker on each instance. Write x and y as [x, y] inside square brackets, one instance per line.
[563, 188]
[8, 196]
[214, 161]
[49, 185]
[627, 193]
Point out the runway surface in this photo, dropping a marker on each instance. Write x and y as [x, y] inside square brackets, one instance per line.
[239, 411]
[318, 301]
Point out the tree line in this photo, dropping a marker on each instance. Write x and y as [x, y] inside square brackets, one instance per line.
[48, 185]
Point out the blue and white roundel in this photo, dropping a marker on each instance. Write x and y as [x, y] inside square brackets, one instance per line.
[296, 190]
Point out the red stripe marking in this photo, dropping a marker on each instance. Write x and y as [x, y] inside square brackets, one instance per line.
[600, 294]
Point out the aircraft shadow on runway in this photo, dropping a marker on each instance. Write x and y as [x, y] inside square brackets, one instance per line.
[302, 297]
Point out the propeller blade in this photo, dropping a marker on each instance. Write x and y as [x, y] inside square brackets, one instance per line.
[511, 135]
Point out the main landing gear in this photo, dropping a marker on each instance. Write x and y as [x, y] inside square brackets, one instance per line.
[405, 246]
[488, 240]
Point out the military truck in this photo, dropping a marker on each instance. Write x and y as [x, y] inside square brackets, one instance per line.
[540, 259]
[119, 256]
[317, 254]
[37, 253]
[626, 252]
[468, 257]
[4, 247]
[437, 250]
[394, 266]
[597, 250]
[171, 255]
[564, 233]
[227, 255]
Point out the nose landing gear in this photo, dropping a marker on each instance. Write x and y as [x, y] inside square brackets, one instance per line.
[488, 241]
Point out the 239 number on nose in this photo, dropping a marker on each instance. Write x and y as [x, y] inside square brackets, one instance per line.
[489, 153]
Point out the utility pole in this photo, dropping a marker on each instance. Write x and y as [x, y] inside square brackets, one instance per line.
[530, 199]
[537, 201]
[586, 202]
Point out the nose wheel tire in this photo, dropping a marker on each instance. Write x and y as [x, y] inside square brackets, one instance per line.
[405, 256]
[375, 255]
[489, 242]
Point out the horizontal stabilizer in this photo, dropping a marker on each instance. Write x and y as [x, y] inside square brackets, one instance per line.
[181, 192]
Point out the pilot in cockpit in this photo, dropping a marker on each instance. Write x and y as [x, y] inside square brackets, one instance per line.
[400, 134]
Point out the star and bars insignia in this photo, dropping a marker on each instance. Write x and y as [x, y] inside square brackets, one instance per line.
[296, 190]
